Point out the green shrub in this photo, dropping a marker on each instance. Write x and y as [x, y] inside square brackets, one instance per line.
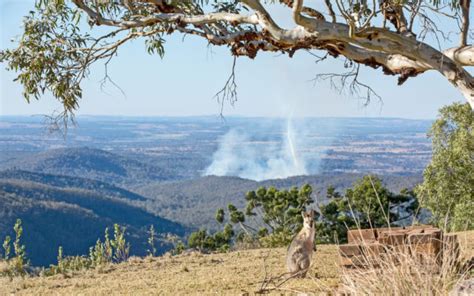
[151, 241]
[108, 248]
[102, 253]
[121, 248]
[68, 264]
[18, 264]
[175, 241]
[6, 247]
[178, 248]
[202, 241]
[97, 254]
[278, 239]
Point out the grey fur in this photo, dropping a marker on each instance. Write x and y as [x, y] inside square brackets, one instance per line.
[300, 251]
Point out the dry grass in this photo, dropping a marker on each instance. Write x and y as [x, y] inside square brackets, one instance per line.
[466, 240]
[234, 273]
[402, 274]
[3, 266]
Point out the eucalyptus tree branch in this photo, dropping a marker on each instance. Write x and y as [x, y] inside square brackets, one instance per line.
[415, 7]
[330, 10]
[465, 7]
[376, 39]
[349, 81]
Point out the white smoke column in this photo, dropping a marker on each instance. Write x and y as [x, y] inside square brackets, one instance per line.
[298, 166]
[240, 154]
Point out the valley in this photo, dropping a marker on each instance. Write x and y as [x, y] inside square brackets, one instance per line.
[174, 173]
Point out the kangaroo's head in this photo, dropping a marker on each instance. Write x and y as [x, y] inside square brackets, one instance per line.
[308, 219]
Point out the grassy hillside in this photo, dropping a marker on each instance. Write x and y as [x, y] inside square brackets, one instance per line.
[70, 216]
[194, 202]
[234, 273]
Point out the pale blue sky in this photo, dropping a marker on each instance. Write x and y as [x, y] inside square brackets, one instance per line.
[184, 82]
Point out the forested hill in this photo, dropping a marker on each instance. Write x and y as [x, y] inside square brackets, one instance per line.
[73, 215]
[194, 202]
[62, 181]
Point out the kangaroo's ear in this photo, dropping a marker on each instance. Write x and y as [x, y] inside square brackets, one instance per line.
[303, 214]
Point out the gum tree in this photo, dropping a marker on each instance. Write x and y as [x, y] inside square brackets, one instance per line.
[57, 48]
[448, 180]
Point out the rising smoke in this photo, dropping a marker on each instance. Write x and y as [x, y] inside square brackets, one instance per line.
[243, 154]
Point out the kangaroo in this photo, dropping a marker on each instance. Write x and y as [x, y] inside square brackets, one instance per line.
[301, 248]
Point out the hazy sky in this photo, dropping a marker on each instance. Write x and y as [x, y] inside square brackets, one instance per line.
[184, 82]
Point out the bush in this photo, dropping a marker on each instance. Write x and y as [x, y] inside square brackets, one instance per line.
[119, 246]
[18, 264]
[102, 253]
[219, 241]
[175, 241]
[68, 264]
[151, 241]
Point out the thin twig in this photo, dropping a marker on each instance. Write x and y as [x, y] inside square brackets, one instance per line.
[229, 91]
[349, 81]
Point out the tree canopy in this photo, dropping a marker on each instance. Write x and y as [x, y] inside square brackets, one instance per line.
[368, 204]
[271, 218]
[448, 185]
[57, 48]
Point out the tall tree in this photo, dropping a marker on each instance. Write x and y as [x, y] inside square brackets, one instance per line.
[368, 204]
[275, 219]
[55, 52]
[448, 185]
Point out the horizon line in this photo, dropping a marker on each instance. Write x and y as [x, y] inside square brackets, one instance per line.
[216, 116]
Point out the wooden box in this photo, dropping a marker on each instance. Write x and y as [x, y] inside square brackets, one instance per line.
[360, 235]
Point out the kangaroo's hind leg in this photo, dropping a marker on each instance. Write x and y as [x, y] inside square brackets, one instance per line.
[304, 265]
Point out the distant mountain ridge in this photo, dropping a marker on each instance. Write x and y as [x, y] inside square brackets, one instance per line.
[62, 181]
[189, 201]
[92, 163]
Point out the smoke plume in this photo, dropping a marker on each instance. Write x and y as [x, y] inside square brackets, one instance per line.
[247, 155]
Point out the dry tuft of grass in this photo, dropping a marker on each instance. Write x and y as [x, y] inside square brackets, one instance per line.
[3, 266]
[466, 240]
[402, 273]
